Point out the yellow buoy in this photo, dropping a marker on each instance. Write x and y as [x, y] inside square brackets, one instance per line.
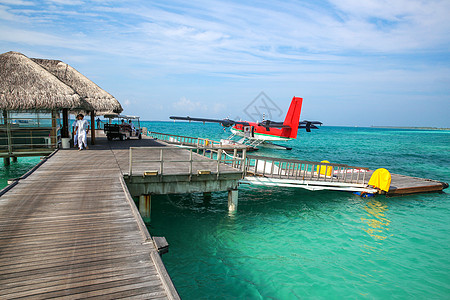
[381, 179]
[325, 169]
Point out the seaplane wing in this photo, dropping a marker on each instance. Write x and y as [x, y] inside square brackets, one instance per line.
[272, 124]
[308, 125]
[224, 122]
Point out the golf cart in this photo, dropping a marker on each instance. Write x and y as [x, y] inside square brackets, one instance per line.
[124, 128]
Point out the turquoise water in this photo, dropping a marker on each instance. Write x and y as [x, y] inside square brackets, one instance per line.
[16, 169]
[292, 243]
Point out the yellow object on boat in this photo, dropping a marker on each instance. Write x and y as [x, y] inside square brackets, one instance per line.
[325, 169]
[381, 179]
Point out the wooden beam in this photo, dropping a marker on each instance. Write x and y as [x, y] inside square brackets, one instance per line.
[8, 132]
[53, 137]
[5, 116]
[65, 128]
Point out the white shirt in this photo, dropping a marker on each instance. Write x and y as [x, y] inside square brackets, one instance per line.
[82, 126]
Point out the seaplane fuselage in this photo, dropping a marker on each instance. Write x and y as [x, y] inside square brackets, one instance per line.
[254, 132]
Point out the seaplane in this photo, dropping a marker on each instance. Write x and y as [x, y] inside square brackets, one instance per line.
[254, 134]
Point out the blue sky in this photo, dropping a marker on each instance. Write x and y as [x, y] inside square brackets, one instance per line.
[373, 62]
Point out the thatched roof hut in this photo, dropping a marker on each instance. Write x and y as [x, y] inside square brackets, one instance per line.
[100, 100]
[26, 85]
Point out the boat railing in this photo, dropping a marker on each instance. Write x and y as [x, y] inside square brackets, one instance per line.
[282, 168]
[184, 140]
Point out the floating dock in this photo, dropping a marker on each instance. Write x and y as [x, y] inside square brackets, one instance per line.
[314, 176]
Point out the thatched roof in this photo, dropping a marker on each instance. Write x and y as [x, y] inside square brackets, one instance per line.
[99, 99]
[25, 85]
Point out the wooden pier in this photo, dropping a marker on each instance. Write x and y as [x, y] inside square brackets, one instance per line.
[71, 230]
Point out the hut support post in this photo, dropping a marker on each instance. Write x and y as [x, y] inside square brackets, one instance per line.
[145, 202]
[54, 133]
[92, 127]
[6, 121]
[65, 128]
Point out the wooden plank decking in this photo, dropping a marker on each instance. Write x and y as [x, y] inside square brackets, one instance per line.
[404, 185]
[71, 230]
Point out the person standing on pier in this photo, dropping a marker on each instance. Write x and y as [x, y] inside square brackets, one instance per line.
[82, 130]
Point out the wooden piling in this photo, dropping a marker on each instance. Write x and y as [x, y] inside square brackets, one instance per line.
[232, 200]
[145, 202]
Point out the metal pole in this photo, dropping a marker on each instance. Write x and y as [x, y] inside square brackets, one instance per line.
[244, 162]
[219, 156]
[130, 167]
[162, 162]
[190, 161]
[271, 168]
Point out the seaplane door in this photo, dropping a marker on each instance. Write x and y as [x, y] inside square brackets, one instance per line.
[247, 131]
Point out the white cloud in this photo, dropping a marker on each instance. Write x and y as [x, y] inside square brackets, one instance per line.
[186, 105]
[66, 2]
[291, 47]
[237, 37]
[5, 15]
[402, 25]
[17, 2]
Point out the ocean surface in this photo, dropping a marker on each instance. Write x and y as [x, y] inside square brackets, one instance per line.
[291, 243]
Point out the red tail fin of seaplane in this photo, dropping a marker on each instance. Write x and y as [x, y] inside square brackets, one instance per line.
[292, 118]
